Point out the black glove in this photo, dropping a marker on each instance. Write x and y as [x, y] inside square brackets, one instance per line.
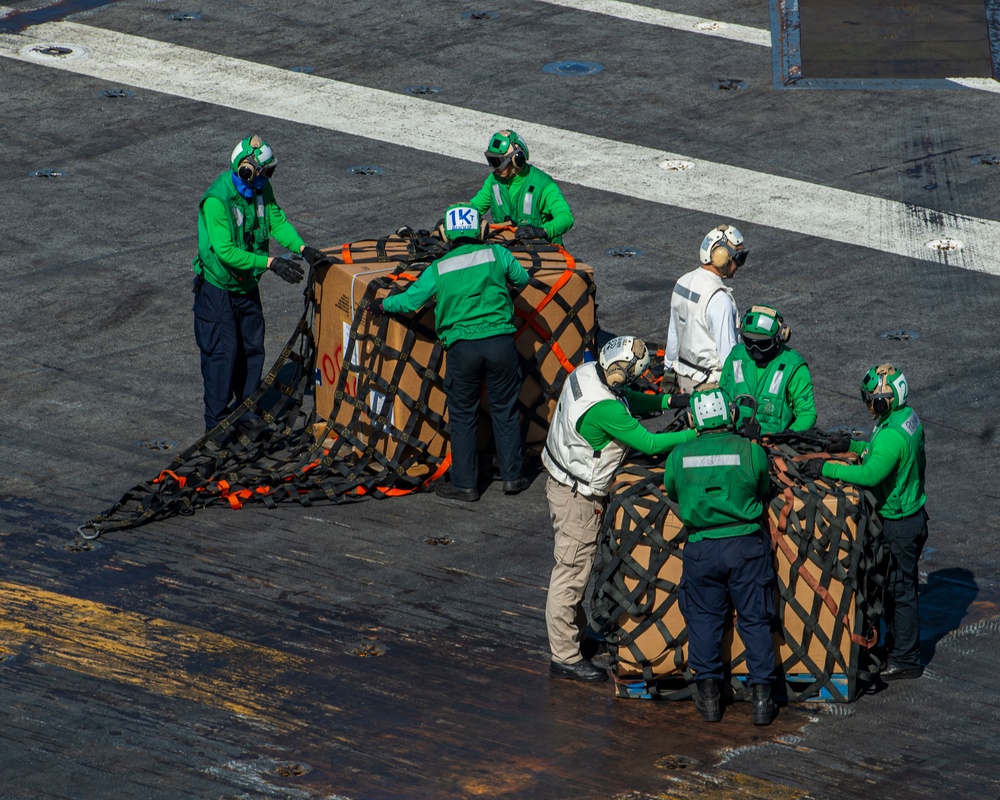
[313, 256]
[377, 308]
[287, 270]
[679, 401]
[813, 468]
[839, 443]
[530, 232]
[751, 429]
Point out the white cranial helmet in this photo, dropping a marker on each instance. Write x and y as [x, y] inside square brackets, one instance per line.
[623, 359]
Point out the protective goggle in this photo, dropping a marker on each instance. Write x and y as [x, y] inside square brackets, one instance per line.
[250, 169]
[497, 161]
[760, 346]
[871, 398]
[740, 257]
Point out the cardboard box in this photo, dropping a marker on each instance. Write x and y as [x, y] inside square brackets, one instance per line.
[651, 635]
[339, 290]
[556, 315]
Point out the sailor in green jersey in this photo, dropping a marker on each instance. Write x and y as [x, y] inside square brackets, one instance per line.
[521, 194]
[763, 366]
[474, 316]
[589, 436]
[237, 218]
[720, 482]
[892, 466]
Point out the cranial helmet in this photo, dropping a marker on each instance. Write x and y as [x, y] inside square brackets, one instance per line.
[253, 157]
[721, 245]
[461, 221]
[506, 147]
[884, 389]
[764, 331]
[623, 360]
[709, 409]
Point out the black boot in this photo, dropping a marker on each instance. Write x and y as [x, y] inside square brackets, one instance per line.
[764, 709]
[708, 701]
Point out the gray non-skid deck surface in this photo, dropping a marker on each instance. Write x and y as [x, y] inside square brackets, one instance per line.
[98, 354]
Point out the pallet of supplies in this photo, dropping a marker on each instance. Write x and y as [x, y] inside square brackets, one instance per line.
[829, 565]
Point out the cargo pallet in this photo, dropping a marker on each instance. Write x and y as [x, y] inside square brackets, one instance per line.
[638, 689]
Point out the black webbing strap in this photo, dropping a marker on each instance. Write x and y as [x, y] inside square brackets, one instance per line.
[826, 532]
[360, 451]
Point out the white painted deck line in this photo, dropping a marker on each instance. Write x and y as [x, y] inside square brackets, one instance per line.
[710, 27]
[669, 19]
[722, 191]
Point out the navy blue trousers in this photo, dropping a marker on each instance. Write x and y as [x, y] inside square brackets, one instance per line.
[719, 571]
[229, 330]
[906, 538]
[469, 362]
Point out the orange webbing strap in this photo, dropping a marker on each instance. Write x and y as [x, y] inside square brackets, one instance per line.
[570, 261]
[780, 540]
[409, 276]
[345, 253]
[563, 280]
[181, 479]
[441, 470]
[545, 336]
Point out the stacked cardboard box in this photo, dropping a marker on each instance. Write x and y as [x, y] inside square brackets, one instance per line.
[816, 589]
[556, 317]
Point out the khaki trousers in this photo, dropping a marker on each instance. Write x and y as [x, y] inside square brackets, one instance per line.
[576, 521]
[688, 385]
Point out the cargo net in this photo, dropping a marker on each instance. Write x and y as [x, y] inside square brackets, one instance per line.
[830, 564]
[378, 440]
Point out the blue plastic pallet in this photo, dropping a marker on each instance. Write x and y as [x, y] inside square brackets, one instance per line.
[637, 689]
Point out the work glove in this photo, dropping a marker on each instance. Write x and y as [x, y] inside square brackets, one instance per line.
[287, 270]
[751, 429]
[839, 443]
[313, 256]
[530, 232]
[377, 308]
[679, 401]
[813, 468]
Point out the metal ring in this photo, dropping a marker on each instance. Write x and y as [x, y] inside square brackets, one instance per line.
[89, 537]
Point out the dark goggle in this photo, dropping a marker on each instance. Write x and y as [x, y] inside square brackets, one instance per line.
[740, 257]
[257, 169]
[497, 161]
[871, 397]
[759, 345]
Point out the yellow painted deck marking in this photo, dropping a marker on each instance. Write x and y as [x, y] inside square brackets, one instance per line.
[162, 657]
[729, 785]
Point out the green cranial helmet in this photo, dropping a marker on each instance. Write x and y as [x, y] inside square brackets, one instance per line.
[506, 147]
[884, 389]
[252, 157]
[709, 409]
[763, 331]
[461, 221]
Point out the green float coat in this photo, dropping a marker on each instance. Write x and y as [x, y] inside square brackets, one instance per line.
[782, 388]
[892, 465]
[234, 235]
[548, 208]
[470, 284]
[717, 481]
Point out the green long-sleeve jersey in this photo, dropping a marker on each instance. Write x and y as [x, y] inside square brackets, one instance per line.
[609, 420]
[782, 387]
[892, 465]
[234, 235]
[719, 481]
[529, 197]
[470, 285]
